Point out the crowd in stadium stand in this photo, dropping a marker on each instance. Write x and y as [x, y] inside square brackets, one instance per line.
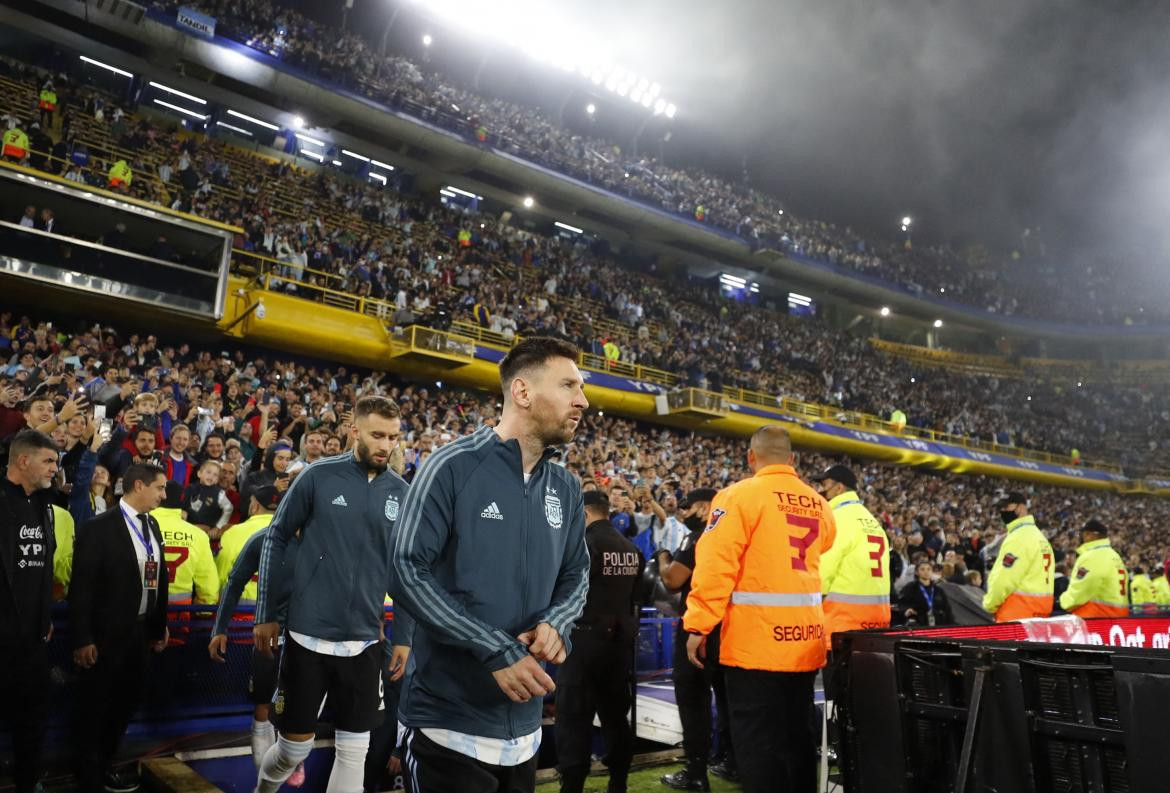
[260, 417]
[1030, 284]
[389, 246]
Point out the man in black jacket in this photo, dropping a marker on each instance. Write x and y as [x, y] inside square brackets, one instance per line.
[923, 601]
[117, 614]
[26, 587]
[595, 679]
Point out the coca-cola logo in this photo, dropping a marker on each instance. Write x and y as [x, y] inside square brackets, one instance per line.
[31, 533]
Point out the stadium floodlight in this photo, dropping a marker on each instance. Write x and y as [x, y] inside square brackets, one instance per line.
[240, 130]
[427, 40]
[905, 227]
[183, 110]
[318, 157]
[623, 89]
[907, 220]
[938, 323]
[647, 100]
[337, 163]
[379, 177]
[1078, 383]
[107, 66]
[659, 106]
[734, 281]
[799, 299]
[446, 192]
[885, 312]
[529, 202]
[378, 164]
[355, 155]
[298, 122]
[177, 92]
[454, 189]
[590, 108]
[597, 78]
[755, 288]
[779, 211]
[636, 95]
[307, 139]
[567, 227]
[256, 121]
[655, 89]
[671, 110]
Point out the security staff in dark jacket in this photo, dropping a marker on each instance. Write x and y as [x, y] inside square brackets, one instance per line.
[595, 679]
[27, 543]
[490, 560]
[693, 686]
[117, 614]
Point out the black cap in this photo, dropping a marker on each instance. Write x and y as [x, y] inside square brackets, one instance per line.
[174, 498]
[838, 473]
[1095, 526]
[1014, 497]
[595, 498]
[267, 497]
[698, 495]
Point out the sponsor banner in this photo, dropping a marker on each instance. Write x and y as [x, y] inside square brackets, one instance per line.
[196, 22]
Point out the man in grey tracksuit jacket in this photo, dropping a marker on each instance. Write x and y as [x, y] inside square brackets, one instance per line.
[480, 557]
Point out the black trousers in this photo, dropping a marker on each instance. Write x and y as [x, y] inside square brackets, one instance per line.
[108, 693]
[431, 768]
[774, 744]
[595, 679]
[24, 695]
[692, 693]
[384, 738]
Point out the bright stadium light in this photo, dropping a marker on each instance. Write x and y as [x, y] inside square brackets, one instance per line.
[318, 157]
[355, 155]
[182, 110]
[461, 192]
[885, 311]
[907, 220]
[671, 110]
[905, 227]
[337, 163]
[567, 227]
[647, 100]
[590, 108]
[427, 40]
[529, 201]
[177, 92]
[106, 66]
[938, 323]
[298, 122]
[779, 211]
[659, 106]
[240, 130]
[255, 121]
[307, 139]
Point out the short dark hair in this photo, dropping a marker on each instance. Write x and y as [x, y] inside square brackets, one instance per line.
[141, 472]
[141, 429]
[534, 351]
[42, 396]
[376, 406]
[27, 442]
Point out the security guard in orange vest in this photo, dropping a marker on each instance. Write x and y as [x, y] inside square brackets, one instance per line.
[15, 146]
[1020, 585]
[1100, 583]
[855, 576]
[757, 570]
[47, 104]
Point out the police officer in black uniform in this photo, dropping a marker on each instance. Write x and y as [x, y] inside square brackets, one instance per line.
[693, 686]
[597, 674]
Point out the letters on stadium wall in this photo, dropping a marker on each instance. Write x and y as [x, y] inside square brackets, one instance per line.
[194, 21]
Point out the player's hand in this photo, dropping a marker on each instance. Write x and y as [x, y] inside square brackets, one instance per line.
[217, 647]
[696, 649]
[544, 643]
[910, 613]
[394, 765]
[524, 680]
[266, 636]
[399, 655]
[86, 656]
[161, 644]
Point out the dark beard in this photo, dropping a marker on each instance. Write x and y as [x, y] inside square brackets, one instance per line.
[363, 455]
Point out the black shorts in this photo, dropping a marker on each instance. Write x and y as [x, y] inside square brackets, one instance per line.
[431, 768]
[262, 677]
[354, 687]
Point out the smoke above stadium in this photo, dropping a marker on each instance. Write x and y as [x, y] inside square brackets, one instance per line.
[980, 119]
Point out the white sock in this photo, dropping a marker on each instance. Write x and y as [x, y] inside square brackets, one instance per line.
[349, 764]
[263, 736]
[280, 761]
